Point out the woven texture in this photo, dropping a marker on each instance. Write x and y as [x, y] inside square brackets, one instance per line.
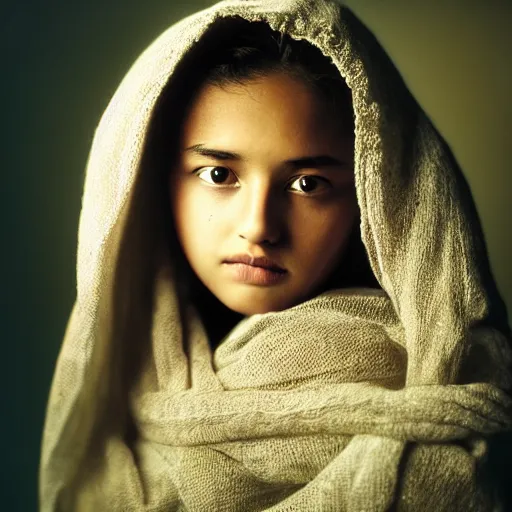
[356, 400]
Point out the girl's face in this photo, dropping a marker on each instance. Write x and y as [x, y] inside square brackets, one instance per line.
[264, 169]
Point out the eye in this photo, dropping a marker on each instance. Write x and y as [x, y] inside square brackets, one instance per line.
[309, 184]
[215, 175]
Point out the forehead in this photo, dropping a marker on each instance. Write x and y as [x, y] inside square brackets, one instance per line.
[276, 110]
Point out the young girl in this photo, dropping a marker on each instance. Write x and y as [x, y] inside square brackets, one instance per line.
[257, 100]
[284, 300]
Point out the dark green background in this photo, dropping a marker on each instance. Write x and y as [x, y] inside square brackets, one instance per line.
[60, 63]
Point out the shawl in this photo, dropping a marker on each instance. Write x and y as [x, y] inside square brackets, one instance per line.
[357, 399]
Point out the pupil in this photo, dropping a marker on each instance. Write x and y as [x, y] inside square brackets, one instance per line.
[307, 184]
[219, 175]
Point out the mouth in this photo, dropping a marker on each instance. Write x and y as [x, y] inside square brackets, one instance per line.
[256, 261]
[250, 274]
[255, 270]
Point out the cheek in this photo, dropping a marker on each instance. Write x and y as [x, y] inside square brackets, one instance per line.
[322, 233]
[183, 213]
[194, 215]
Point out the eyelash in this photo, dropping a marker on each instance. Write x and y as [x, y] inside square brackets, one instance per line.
[201, 170]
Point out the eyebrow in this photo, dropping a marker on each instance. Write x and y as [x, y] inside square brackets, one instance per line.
[295, 163]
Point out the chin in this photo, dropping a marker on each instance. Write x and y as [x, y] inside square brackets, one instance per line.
[252, 306]
[246, 310]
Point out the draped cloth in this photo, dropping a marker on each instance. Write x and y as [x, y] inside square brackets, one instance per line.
[357, 399]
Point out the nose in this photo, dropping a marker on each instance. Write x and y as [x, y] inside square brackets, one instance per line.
[260, 219]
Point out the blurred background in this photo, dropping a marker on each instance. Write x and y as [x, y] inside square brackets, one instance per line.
[61, 62]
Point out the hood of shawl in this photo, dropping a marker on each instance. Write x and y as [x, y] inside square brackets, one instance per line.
[418, 222]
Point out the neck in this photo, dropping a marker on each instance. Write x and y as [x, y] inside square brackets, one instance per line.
[217, 319]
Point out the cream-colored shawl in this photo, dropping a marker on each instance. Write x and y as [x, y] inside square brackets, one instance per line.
[356, 400]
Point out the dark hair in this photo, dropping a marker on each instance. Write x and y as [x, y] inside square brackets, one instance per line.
[252, 50]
